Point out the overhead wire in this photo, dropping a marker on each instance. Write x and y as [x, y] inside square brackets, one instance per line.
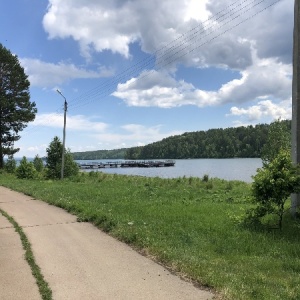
[145, 62]
[166, 50]
[176, 49]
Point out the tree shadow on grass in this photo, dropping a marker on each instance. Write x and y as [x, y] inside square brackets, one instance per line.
[268, 225]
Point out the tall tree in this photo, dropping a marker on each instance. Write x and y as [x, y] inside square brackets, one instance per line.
[279, 138]
[16, 110]
[54, 161]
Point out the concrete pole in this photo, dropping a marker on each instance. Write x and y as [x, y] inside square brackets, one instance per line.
[64, 136]
[296, 102]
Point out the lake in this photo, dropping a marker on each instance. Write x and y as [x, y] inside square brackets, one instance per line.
[229, 169]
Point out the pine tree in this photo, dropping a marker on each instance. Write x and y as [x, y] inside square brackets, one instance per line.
[54, 160]
[16, 110]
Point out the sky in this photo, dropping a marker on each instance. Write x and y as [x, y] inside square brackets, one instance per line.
[136, 71]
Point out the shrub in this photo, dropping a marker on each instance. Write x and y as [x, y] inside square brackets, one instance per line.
[38, 163]
[10, 165]
[205, 178]
[273, 184]
[209, 185]
[26, 170]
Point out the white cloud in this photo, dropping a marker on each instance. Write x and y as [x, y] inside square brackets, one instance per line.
[130, 135]
[164, 93]
[76, 122]
[267, 78]
[271, 30]
[264, 110]
[45, 74]
[196, 10]
[93, 133]
[97, 25]
[35, 149]
[115, 24]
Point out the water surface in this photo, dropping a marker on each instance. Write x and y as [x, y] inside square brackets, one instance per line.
[229, 169]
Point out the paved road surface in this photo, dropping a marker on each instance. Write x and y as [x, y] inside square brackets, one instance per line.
[77, 260]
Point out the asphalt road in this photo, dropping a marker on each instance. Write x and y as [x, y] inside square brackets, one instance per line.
[78, 260]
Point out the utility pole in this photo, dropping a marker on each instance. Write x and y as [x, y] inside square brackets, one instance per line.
[296, 102]
[64, 136]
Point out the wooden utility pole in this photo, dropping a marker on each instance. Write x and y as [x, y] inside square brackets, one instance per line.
[296, 102]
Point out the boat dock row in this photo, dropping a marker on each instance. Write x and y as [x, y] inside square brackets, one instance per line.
[127, 164]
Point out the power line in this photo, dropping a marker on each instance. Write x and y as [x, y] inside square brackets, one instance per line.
[181, 50]
[175, 50]
[151, 59]
[168, 49]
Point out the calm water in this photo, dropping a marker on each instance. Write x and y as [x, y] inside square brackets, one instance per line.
[229, 169]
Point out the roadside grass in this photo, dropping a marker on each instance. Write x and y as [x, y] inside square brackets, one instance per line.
[43, 286]
[188, 224]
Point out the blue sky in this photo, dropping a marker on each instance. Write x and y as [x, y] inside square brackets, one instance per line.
[135, 72]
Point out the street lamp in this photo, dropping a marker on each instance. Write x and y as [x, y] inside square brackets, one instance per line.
[64, 136]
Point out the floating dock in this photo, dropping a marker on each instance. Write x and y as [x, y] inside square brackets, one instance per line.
[127, 164]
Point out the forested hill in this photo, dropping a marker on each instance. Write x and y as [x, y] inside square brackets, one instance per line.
[100, 154]
[214, 143]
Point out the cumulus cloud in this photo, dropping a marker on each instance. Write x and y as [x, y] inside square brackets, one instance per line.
[182, 26]
[158, 89]
[33, 150]
[44, 74]
[114, 24]
[131, 135]
[110, 137]
[271, 31]
[198, 34]
[76, 122]
[265, 109]
[266, 78]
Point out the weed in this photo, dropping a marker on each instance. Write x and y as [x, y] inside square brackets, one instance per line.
[229, 186]
[209, 185]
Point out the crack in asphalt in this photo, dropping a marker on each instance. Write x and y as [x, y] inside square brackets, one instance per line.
[6, 227]
[52, 224]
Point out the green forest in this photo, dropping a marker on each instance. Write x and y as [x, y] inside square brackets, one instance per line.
[100, 154]
[243, 142]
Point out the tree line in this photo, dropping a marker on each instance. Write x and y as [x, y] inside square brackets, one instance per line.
[242, 142]
[100, 154]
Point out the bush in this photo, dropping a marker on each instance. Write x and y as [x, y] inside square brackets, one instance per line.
[10, 165]
[205, 178]
[26, 170]
[273, 184]
[38, 163]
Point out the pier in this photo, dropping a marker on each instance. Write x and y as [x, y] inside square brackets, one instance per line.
[127, 164]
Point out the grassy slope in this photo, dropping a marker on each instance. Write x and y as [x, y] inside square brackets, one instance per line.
[187, 224]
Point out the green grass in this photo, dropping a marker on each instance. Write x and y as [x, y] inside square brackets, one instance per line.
[43, 286]
[188, 224]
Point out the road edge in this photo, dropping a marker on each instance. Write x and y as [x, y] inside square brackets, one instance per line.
[43, 286]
